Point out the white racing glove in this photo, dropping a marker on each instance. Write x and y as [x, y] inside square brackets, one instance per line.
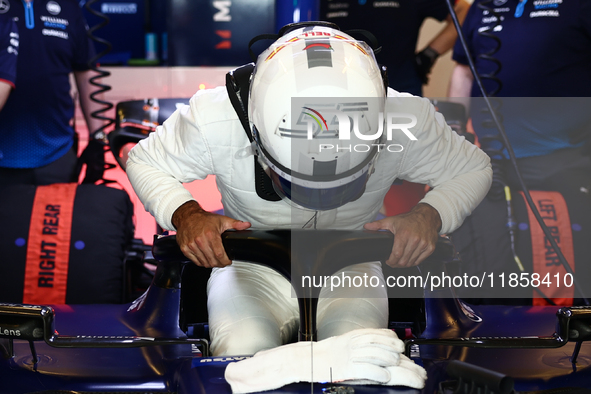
[364, 356]
[406, 373]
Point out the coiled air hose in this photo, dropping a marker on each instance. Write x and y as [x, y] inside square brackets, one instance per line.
[94, 154]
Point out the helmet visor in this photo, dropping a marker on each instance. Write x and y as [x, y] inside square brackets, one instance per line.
[321, 191]
[319, 199]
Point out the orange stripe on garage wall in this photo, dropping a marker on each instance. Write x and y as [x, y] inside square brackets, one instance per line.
[48, 249]
[554, 212]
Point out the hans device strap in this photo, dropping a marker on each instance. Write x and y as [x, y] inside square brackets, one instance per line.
[237, 84]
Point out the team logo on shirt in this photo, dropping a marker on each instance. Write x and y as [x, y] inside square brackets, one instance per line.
[13, 47]
[53, 8]
[53, 22]
[545, 8]
[545, 4]
[386, 4]
[55, 33]
[4, 6]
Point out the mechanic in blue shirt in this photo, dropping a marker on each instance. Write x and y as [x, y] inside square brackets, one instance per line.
[396, 25]
[8, 55]
[542, 91]
[545, 52]
[37, 144]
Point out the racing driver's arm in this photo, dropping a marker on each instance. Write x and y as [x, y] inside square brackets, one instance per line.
[458, 172]
[158, 167]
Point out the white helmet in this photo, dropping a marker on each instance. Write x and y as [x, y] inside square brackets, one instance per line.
[316, 112]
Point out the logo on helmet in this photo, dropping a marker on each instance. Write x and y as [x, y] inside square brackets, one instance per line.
[317, 116]
[316, 33]
[318, 39]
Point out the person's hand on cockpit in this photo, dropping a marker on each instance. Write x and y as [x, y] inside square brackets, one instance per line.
[416, 234]
[198, 234]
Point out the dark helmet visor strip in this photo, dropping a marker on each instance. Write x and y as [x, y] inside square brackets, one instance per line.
[319, 199]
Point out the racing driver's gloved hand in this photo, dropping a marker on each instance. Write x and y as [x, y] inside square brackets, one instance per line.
[364, 356]
[424, 62]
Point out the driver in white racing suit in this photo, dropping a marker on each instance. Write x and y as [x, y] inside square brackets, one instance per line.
[251, 307]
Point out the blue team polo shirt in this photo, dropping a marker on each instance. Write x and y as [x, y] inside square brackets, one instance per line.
[545, 52]
[396, 25]
[36, 120]
[9, 43]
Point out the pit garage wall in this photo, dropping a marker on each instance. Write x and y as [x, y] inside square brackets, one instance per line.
[180, 32]
[216, 33]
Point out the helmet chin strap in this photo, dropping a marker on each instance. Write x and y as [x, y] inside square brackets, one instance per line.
[263, 184]
[319, 219]
[312, 222]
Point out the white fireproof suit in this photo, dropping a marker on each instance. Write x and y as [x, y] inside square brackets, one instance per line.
[251, 307]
